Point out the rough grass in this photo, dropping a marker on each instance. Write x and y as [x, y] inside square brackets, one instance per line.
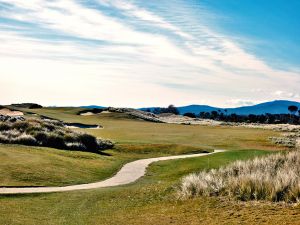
[49, 133]
[150, 201]
[273, 178]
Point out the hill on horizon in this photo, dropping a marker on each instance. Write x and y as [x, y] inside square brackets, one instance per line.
[273, 107]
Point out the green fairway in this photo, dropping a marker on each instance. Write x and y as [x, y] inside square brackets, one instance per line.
[125, 130]
[135, 139]
[152, 200]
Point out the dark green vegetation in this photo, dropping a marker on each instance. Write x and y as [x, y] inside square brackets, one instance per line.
[48, 133]
[273, 178]
[267, 118]
[27, 105]
[152, 199]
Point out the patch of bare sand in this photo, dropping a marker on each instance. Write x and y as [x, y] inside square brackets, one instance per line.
[8, 112]
[91, 113]
[178, 119]
[87, 114]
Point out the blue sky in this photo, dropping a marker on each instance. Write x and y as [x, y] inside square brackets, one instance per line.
[149, 53]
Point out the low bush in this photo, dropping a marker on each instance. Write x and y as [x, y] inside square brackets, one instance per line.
[89, 141]
[49, 133]
[28, 105]
[272, 178]
[25, 139]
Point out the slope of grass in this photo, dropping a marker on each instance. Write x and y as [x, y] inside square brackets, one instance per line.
[39, 166]
[152, 200]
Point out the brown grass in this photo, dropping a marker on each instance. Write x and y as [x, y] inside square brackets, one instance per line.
[273, 178]
[49, 133]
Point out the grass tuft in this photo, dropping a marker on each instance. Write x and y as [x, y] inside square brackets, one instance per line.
[273, 178]
[49, 133]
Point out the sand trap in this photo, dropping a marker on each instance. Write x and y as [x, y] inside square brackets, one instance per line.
[87, 114]
[8, 112]
[91, 113]
[81, 125]
[106, 111]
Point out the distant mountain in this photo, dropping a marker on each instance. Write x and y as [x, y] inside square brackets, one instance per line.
[93, 107]
[273, 107]
[197, 109]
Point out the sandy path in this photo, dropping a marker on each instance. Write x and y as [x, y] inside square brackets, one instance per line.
[129, 173]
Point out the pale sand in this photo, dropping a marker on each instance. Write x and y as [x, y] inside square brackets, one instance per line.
[8, 112]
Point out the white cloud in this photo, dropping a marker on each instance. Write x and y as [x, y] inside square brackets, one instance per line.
[286, 94]
[241, 102]
[139, 65]
[142, 14]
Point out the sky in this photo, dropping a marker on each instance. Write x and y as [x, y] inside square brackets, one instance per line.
[135, 53]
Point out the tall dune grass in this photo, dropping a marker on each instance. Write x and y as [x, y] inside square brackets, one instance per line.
[273, 178]
[48, 133]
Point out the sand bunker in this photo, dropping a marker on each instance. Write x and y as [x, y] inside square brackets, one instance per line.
[8, 112]
[83, 126]
[87, 114]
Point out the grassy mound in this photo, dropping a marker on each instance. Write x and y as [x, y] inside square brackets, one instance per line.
[28, 105]
[49, 133]
[273, 178]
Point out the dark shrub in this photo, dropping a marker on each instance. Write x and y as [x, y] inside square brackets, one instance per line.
[70, 137]
[105, 144]
[169, 109]
[89, 141]
[4, 126]
[191, 115]
[54, 141]
[28, 105]
[49, 133]
[26, 139]
[20, 125]
[41, 137]
[50, 127]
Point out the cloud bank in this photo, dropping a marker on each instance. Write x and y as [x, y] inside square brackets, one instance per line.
[118, 53]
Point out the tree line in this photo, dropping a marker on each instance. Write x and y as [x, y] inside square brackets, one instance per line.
[222, 115]
[268, 118]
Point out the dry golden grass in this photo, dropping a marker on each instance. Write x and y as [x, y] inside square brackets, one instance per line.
[273, 178]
